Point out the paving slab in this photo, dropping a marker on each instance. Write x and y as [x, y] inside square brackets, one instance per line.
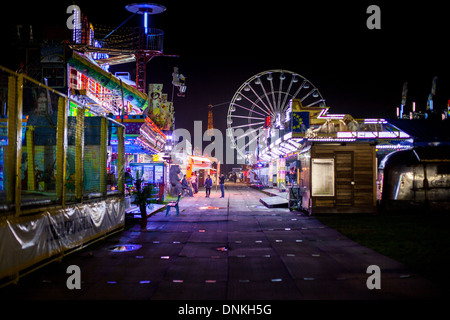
[275, 202]
[263, 290]
[203, 250]
[251, 268]
[178, 289]
[334, 289]
[208, 235]
[225, 248]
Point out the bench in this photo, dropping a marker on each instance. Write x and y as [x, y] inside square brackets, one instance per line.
[173, 204]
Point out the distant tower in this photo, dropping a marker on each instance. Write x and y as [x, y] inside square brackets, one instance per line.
[210, 120]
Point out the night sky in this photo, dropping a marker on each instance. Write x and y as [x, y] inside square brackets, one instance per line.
[222, 44]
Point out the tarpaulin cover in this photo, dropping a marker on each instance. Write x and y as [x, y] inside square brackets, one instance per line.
[26, 241]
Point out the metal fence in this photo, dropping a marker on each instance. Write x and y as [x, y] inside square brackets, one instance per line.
[53, 150]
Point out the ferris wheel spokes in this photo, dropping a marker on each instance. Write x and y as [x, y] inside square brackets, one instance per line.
[249, 132]
[288, 90]
[273, 91]
[258, 81]
[253, 139]
[248, 125]
[245, 108]
[309, 93]
[259, 109]
[255, 104]
[315, 103]
[282, 77]
[295, 94]
[247, 117]
[257, 96]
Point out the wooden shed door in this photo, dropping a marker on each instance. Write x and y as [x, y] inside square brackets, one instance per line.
[344, 178]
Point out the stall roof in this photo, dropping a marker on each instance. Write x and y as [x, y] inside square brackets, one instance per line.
[197, 158]
[432, 154]
[416, 155]
[424, 131]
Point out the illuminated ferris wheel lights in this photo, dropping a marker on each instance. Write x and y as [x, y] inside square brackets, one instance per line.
[264, 109]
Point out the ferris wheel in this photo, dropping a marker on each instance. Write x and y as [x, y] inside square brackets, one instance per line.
[262, 105]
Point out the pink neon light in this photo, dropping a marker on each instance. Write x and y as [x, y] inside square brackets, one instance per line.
[323, 115]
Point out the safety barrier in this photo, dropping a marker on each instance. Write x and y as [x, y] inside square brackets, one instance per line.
[61, 180]
[53, 151]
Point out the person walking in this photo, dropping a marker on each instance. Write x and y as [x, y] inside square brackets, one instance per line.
[194, 182]
[208, 185]
[222, 184]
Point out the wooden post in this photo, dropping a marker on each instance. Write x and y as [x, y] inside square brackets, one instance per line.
[121, 158]
[103, 154]
[31, 178]
[14, 149]
[79, 155]
[61, 150]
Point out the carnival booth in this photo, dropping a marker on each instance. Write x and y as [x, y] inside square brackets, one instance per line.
[331, 159]
[203, 166]
[155, 173]
[417, 178]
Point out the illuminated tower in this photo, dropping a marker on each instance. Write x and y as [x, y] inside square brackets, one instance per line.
[210, 120]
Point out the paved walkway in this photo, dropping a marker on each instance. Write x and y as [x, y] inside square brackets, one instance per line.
[228, 248]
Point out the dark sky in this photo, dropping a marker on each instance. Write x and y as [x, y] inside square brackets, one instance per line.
[222, 44]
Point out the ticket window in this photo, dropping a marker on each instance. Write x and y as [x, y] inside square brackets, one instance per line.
[322, 177]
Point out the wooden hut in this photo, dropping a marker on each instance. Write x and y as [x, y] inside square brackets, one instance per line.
[338, 178]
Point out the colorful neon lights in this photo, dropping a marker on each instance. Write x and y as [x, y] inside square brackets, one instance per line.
[154, 127]
[323, 115]
[146, 22]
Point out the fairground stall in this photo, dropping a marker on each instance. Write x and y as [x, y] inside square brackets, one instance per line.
[144, 144]
[55, 196]
[331, 159]
[154, 173]
[279, 123]
[146, 114]
[203, 166]
[418, 178]
[190, 161]
[143, 138]
[63, 152]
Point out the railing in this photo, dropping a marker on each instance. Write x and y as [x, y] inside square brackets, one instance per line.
[153, 40]
[52, 151]
[127, 39]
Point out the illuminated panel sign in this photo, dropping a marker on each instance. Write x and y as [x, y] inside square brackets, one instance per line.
[373, 134]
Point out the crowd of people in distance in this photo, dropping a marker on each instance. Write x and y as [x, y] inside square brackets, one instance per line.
[193, 181]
